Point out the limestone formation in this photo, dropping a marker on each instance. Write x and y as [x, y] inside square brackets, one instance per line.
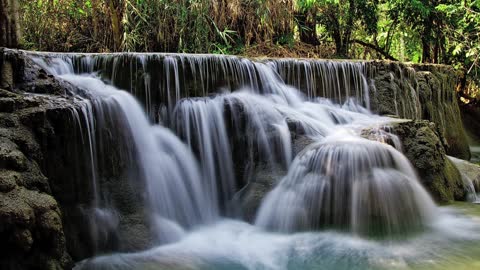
[423, 145]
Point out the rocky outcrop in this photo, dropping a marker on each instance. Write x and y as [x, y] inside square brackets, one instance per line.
[45, 150]
[423, 145]
[250, 197]
[264, 177]
[31, 230]
[420, 92]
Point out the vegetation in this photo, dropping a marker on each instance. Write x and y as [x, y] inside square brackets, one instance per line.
[429, 31]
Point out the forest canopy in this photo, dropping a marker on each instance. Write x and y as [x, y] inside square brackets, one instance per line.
[428, 31]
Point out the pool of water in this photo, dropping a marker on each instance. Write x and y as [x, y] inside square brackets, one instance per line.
[452, 242]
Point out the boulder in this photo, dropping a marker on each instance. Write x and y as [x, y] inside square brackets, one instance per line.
[251, 196]
[423, 145]
[32, 231]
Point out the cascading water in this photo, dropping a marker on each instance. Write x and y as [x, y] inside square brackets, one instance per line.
[359, 185]
[170, 173]
[202, 123]
[337, 193]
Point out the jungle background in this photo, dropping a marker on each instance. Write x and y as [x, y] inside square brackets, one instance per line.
[427, 31]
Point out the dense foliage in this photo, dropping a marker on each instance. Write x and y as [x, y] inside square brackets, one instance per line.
[434, 31]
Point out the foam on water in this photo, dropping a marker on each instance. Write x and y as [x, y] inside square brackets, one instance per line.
[237, 245]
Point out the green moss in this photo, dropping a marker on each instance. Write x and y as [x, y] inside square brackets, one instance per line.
[454, 181]
[423, 146]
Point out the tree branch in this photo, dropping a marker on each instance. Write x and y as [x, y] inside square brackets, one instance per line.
[376, 48]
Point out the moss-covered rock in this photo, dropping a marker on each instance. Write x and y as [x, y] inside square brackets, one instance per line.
[420, 92]
[32, 229]
[422, 145]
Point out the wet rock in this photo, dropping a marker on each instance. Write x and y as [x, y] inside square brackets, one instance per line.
[251, 196]
[23, 239]
[14, 211]
[471, 170]
[6, 74]
[11, 157]
[32, 228]
[420, 92]
[8, 180]
[134, 232]
[300, 142]
[7, 104]
[422, 145]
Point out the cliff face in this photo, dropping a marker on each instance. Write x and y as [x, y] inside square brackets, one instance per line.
[420, 92]
[41, 170]
[31, 230]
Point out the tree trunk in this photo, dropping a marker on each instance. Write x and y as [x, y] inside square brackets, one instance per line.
[116, 27]
[9, 31]
[341, 48]
[307, 25]
[96, 25]
[426, 53]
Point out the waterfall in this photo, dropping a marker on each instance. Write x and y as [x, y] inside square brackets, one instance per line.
[176, 76]
[189, 132]
[169, 170]
[201, 122]
[263, 112]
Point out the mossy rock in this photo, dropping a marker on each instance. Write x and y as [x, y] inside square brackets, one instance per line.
[422, 145]
[420, 92]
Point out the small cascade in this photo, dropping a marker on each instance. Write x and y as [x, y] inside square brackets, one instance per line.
[359, 185]
[472, 195]
[163, 79]
[201, 123]
[337, 81]
[175, 196]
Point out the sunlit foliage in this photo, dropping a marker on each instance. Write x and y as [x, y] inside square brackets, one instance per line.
[436, 31]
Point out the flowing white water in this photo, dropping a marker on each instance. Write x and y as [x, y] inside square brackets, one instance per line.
[175, 193]
[352, 183]
[348, 186]
[202, 123]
